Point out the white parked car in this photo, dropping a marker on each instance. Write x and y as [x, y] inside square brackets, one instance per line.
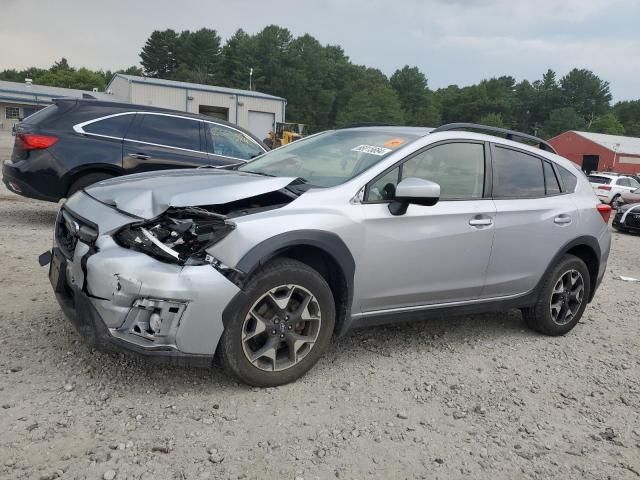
[610, 186]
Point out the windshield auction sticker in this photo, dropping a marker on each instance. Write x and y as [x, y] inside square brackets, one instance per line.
[371, 149]
[394, 142]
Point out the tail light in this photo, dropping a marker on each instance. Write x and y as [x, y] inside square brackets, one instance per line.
[605, 211]
[604, 187]
[32, 141]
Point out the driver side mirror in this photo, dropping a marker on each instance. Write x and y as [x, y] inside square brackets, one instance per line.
[414, 190]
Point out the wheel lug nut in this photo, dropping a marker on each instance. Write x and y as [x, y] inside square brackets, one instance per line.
[286, 317]
[290, 327]
[282, 335]
[277, 321]
[273, 332]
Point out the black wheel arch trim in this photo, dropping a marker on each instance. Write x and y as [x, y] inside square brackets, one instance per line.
[584, 240]
[260, 254]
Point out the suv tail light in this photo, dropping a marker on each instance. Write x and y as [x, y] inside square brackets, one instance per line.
[604, 187]
[605, 211]
[33, 141]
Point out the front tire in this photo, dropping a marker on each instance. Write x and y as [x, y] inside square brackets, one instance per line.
[283, 327]
[562, 299]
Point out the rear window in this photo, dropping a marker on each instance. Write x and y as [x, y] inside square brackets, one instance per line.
[41, 115]
[599, 180]
[111, 127]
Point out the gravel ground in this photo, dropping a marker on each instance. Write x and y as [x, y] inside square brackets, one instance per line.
[476, 397]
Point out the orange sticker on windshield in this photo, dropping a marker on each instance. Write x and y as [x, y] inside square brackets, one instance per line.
[394, 142]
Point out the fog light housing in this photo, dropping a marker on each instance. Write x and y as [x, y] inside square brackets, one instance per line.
[155, 322]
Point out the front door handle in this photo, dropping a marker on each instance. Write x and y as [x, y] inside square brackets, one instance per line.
[139, 156]
[562, 219]
[480, 222]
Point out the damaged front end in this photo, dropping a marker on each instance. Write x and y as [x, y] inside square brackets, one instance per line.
[179, 235]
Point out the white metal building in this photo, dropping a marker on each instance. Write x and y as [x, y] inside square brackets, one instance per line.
[255, 111]
[19, 100]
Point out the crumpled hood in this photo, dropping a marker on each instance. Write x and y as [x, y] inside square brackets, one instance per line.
[149, 194]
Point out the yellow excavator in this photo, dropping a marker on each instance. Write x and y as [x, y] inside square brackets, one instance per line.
[285, 133]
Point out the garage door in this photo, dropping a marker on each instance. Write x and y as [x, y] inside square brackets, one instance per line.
[261, 123]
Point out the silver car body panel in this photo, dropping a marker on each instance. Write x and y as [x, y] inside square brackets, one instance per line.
[147, 195]
[429, 257]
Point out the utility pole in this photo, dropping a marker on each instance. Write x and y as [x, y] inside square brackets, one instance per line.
[250, 77]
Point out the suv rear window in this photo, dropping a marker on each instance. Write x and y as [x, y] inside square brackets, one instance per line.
[598, 179]
[112, 127]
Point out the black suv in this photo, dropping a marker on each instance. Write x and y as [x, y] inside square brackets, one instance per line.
[74, 143]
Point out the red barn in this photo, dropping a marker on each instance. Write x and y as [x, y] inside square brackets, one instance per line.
[598, 151]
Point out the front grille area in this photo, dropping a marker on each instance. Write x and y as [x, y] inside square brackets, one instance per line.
[633, 220]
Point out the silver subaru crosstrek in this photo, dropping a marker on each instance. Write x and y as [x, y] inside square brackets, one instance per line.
[263, 264]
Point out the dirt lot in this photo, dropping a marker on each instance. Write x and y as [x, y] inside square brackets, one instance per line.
[475, 397]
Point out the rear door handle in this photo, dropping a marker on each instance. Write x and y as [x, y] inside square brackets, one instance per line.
[480, 222]
[139, 156]
[562, 219]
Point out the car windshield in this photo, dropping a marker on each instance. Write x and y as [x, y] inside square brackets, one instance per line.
[329, 158]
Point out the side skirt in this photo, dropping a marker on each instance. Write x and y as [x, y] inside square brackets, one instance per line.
[427, 312]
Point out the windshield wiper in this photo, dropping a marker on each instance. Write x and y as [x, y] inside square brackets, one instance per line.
[257, 173]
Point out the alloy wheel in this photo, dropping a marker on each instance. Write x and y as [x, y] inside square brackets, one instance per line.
[281, 328]
[567, 297]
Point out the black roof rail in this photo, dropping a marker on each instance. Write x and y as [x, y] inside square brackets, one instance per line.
[365, 124]
[509, 134]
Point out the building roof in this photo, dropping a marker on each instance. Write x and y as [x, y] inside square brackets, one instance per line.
[38, 94]
[194, 86]
[616, 143]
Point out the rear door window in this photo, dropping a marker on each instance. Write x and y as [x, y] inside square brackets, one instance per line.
[166, 130]
[116, 127]
[516, 174]
[623, 182]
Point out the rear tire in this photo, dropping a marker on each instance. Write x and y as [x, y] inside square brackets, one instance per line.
[283, 326]
[86, 180]
[562, 299]
[614, 200]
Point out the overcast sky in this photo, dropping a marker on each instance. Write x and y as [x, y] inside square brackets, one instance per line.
[452, 42]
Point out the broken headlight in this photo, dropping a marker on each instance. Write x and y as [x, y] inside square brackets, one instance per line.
[180, 235]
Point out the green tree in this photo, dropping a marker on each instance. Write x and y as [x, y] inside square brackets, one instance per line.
[586, 93]
[236, 59]
[374, 100]
[561, 120]
[492, 119]
[198, 56]
[159, 54]
[628, 113]
[607, 123]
